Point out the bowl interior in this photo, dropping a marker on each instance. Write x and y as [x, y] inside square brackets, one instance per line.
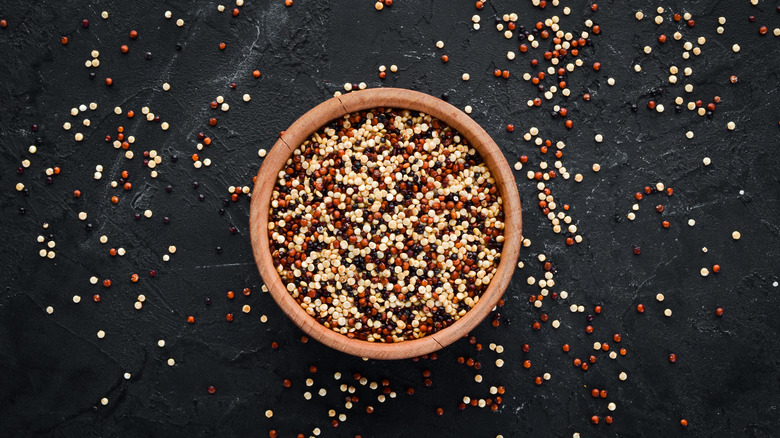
[332, 109]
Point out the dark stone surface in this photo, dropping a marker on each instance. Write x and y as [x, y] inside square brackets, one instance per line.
[54, 370]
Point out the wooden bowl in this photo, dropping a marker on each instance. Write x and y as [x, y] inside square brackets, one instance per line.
[396, 98]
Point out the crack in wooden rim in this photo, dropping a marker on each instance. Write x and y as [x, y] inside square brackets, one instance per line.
[395, 98]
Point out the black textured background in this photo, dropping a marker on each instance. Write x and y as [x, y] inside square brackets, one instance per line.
[54, 370]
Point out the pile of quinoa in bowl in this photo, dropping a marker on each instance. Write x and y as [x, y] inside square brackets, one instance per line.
[386, 225]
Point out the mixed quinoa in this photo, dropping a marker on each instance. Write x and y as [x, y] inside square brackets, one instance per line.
[386, 225]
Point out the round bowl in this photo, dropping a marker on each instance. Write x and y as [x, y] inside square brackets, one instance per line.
[397, 98]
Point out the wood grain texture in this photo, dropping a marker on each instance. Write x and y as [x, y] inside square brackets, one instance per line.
[313, 120]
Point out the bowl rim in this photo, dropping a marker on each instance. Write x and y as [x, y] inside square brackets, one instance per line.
[401, 99]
